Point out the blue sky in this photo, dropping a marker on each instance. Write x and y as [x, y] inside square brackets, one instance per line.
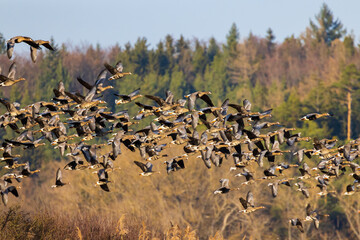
[107, 22]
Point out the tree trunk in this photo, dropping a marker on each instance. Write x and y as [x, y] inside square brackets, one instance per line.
[289, 231]
[349, 116]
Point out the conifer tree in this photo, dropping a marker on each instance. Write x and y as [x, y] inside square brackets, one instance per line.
[348, 85]
[349, 46]
[161, 61]
[326, 28]
[232, 40]
[199, 59]
[212, 50]
[140, 57]
[270, 41]
[2, 44]
[170, 51]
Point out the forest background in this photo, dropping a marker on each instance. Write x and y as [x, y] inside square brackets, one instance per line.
[319, 71]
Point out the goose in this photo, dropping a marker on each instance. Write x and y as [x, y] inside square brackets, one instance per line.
[127, 98]
[76, 164]
[10, 79]
[248, 203]
[247, 174]
[4, 191]
[116, 150]
[298, 223]
[300, 153]
[10, 44]
[174, 165]
[224, 188]
[11, 162]
[275, 185]
[90, 156]
[350, 190]
[33, 50]
[303, 189]
[26, 172]
[314, 216]
[11, 108]
[305, 172]
[108, 164]
[164, 105]
[7, 177]
[103, 180]
[98, 85]
[146, 168]
[87, 102]
[58, 180]
[356, 177]
[202, 95]
[314, 116]
[117, 71]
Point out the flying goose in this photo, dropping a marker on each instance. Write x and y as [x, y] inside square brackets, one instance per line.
[10, 79]
[146, 168]
[117, 71]
[10, 44]
[224, 188]
[58, 180]
[314, 116]
[33, 50]
[298, 223]
[248, 204]
[4, 190]
[127, 98]
[26, 170]
[103, 180]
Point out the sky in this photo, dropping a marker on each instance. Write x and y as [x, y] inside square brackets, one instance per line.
[110, 22]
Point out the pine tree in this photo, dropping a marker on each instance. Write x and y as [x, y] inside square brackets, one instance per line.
[170, 51]
[348, 87]
[2, 44]
[181, 44]
[52, 72]
[232, 40]
[349, 46]
[140, 57]
[161, 61]
[212, 50]
[177, 84]
[327, 29]
[183, 59]
[199, 59]
[270, 41]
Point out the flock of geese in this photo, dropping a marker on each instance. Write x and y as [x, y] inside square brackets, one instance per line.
[242, 135]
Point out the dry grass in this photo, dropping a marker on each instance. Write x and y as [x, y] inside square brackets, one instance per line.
[19, 224]
[180, 205]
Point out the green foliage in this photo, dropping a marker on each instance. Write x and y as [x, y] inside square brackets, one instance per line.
[140, 57]
[161, 62]
[297, 76]
[270, 37]
[52, 73]
[213, 49]
[200, 59]
[349, 46]
[288, 112]
[327, 29]
[232, 40]
[177, 84]
[350, 78]
[170, 51]
[2, 44]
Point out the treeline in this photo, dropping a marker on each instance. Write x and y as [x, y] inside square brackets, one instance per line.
[316, 72]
